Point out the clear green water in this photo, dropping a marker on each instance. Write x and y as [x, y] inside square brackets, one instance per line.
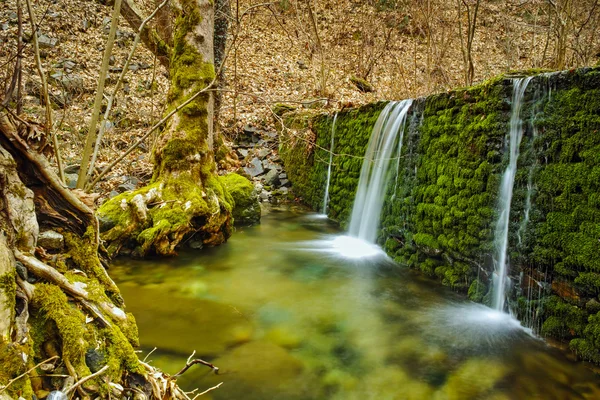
[286, 323]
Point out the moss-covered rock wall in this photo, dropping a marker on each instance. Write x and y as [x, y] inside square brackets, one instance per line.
[441, 209]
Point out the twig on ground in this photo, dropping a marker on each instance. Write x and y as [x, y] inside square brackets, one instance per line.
[85, 379]
[3, 388]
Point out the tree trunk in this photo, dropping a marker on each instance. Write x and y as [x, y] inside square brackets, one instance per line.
[185, 197]
[56, 301]
[59, 309]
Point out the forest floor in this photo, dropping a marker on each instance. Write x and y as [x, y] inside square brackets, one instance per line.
[279, 52]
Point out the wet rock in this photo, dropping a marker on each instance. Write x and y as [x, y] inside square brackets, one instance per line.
[170, 316]
[252, 385]
[285, 337]
[51, 240]
[284, 182]
[95, 360]
[46, 42]
[474, 379]
[56, 395]
[254, 168]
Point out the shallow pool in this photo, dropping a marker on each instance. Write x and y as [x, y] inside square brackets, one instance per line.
[285, 317]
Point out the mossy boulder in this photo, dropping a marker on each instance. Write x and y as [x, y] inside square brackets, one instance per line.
[246, 204]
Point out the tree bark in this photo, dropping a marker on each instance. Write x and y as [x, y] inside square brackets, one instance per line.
[185, 197]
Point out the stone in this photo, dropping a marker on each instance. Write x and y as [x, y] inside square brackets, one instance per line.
[275, 361]
[592, 306]
[13, 17]
[269, 165]
[68, 64]
[243, 152]
[283, 175]
[21, 270]
[46, 42]
[262, 153]
[51, 240]
[85, 25]
[105, 223]
[174, 313]
[126, 187]
[4, 26]
[284, 182]
[71, 180]
[254, 168]
[56, 395]
[94, 359]
[72, 83]
[250, 129]
[264, 195]
[72, 169]
[283, 191]
[113, 193]
[272, 178]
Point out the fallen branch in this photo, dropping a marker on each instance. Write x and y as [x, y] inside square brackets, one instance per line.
[3, 388]
[191, 363]
[208, 390]
[85, 379]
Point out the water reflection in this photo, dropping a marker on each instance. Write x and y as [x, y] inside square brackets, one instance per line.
[285, 317]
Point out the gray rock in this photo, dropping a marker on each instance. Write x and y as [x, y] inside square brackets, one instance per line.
[71, 180]
[243, 152]
[269, 165]
[21, 270]
[195, 244]
[112, 194]
[126, 187]
[4, 26]
[283, 190]
[264, 195]
[272, 178]
[51, 240]
[72, 169]
[68, 64]
[262, 153]
[285, 182]
[46, 42]
[13, 17]
[254, 168]
[283, 175]
[56, 395]
[106, 223]
[250, 129]
[72, 83]
[94, 359]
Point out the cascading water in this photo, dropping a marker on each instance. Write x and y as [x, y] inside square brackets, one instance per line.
[387, 132]
[326, 197]
[506, 192]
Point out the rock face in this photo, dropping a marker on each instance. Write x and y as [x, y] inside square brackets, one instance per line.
[440, 217]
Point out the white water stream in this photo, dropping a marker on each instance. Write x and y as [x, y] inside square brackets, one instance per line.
[506, 193]
[387, 132]
[326, 197]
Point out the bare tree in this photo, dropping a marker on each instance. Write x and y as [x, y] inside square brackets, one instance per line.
[471, 7]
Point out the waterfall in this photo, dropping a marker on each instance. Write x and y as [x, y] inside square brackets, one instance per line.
[387, 132]
[326, 197]
[506, 192]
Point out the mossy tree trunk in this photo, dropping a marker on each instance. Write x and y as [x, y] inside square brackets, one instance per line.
[55, 303]
[185, 197]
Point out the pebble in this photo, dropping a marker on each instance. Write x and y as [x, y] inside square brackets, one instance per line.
[51, 240]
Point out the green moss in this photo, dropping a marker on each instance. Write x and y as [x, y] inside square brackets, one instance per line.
[8, 286]
[246, 206]
[440, 211]
[70, 322]
[13, 365]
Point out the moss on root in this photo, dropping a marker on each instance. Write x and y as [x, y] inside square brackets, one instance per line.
[246, 205]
